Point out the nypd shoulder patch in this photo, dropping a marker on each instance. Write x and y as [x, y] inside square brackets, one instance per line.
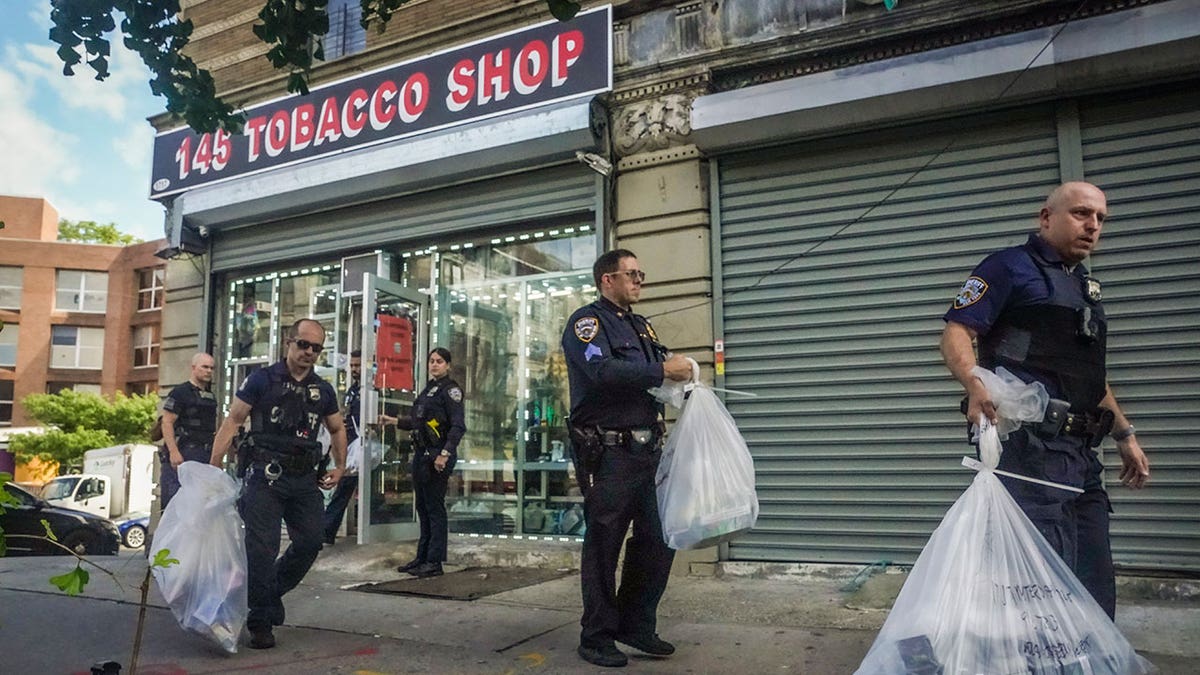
[586, 328]
[972, 290]
[455, 394]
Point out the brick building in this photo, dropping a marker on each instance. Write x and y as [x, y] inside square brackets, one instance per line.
[806, 183]
[79, 316]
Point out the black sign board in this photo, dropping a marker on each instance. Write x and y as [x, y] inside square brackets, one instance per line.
[551, 62]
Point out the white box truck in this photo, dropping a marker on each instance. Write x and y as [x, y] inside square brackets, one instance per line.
[115, 481]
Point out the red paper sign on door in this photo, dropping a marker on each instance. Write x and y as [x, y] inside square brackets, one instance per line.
[394, 353]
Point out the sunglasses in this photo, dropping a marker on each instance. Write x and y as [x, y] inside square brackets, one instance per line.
[634, 275]
[306, 345]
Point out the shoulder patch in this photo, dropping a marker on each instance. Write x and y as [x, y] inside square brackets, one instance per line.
[586, 328]
[455, 394]
[972, 290]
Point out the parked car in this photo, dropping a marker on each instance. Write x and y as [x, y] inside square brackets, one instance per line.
[133, 529]
[81, 532]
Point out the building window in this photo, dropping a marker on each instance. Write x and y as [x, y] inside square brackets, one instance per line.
[150, 288]
[8, 345]
[145, 346]
[76, 347]
[141, 388]
[346, 35]
[10, 288]
[6, 402]
[56, 387]
[79, 291]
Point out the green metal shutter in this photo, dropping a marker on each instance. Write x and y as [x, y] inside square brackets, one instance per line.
[1145, 154]
[497, 202]
[856, 433]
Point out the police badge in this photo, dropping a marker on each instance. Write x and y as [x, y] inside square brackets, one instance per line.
[314, 392]
[1092, 287]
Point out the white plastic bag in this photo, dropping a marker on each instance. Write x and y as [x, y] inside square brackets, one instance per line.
[706, 476]
[354, 454]
[989, 595]
[201, 529]
[1016, 400]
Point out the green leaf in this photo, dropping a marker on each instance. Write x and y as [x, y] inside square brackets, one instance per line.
[563, 10]
[72, 582]
[162, 559]
[890, 4]
[49, 532]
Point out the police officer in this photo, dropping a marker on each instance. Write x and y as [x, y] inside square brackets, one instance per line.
[1036, 311]
[438, 424]
[613, 357]
[286, 403]
[189, 420]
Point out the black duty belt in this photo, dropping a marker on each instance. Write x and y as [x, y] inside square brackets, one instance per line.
[635, 438]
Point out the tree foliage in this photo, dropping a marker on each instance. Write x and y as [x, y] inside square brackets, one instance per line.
[91, 232]
[81, 421]
[294, 29]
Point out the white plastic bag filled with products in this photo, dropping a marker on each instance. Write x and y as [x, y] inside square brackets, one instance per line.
[988, 594]
[705, 479]
[201, 529]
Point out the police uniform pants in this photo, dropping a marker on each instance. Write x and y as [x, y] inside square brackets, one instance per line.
[169, 476]
[338, 503]
[1076, 525]
[622, 492]
[429, 484]
[297, 501]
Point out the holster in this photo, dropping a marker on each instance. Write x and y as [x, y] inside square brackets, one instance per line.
[587, 447]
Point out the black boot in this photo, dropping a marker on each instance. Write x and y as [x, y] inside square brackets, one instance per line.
[410, 566]
[432, 569]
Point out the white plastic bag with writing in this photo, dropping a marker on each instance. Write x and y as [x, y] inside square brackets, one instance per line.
[989, 595]
[201, 529]
[706, 476]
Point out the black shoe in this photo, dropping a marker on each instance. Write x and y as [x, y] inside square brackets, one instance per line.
[650, 644]
[607, 656]
[410, 565]
[427, 570]
[262, 638]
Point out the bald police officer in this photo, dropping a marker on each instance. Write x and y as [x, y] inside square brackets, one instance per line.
[286, 403]
[189, 420]
[1035, 310]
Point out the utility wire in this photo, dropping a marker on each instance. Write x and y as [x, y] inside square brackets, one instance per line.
[916, 172]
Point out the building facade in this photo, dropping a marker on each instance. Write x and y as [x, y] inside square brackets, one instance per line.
[807, 183]
[76, 316]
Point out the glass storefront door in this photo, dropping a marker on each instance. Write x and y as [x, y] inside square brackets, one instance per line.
[393, 343]
[514, 474]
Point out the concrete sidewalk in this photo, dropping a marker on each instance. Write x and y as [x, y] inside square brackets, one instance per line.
[751, 619]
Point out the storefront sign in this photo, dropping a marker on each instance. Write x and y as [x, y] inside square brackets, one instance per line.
[551, 62]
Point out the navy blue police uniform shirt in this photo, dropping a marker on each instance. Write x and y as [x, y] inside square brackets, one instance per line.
[442, 400]
[197, 412]
[1008, 279]
[613, 357]
[257, 385]
[352, 410]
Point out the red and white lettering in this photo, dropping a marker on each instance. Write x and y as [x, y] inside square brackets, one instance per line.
[461, 82]
[495, 76]
[222, 150]
[382, 107]
[330, 127]
[414, 98]
[568, 47]
[353, 117]
[278, 132]
[531, 66]
[303, 127]
[254, 130]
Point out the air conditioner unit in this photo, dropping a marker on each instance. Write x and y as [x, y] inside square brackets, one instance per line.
[378, 263]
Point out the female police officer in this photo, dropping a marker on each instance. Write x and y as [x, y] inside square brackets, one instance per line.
[437, 425]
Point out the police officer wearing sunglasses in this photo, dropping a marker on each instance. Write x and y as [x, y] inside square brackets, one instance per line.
[1036, 311]
[613, 357]
[285, 403]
